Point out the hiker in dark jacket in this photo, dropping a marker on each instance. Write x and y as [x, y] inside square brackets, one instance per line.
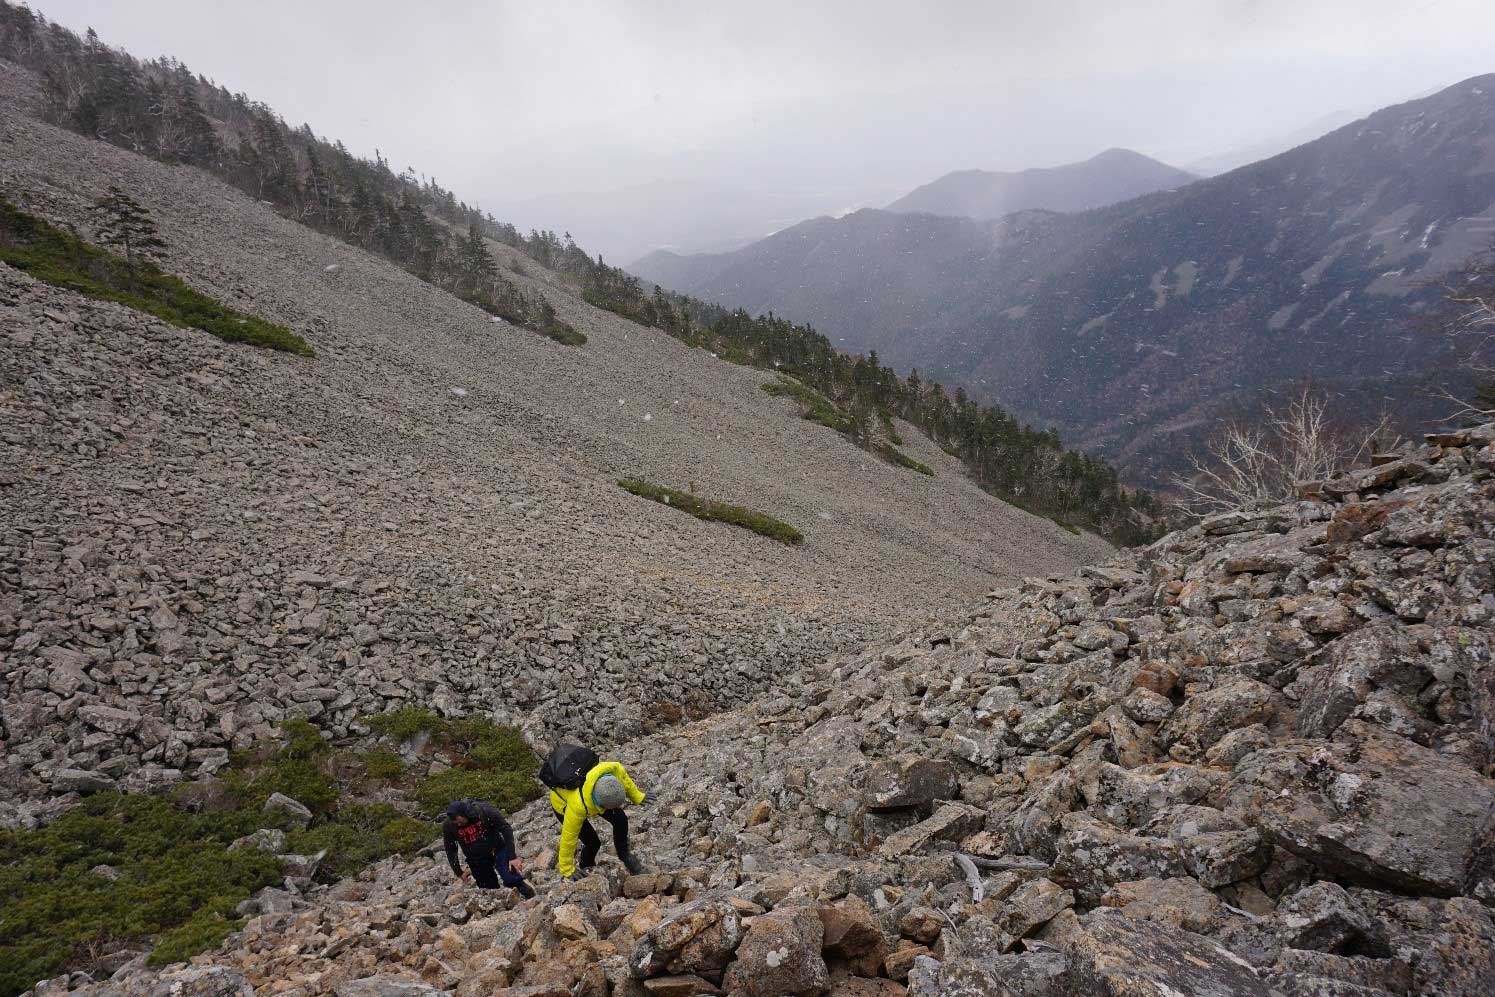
[487, 841]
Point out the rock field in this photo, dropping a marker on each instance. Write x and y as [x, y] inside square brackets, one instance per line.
[202, 539]
[1253, 758]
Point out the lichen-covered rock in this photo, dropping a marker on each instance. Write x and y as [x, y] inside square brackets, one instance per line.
[1373, 806]
[1116, 955]
[780, 955]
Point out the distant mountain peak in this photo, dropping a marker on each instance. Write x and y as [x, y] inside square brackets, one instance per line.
[1110, 176]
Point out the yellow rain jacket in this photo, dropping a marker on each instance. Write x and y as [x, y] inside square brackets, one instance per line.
[576, 805]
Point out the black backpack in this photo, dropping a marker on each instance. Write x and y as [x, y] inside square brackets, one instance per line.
[567, 765]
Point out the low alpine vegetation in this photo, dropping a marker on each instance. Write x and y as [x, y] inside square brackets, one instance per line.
[155, 872]
[812, 404]
[720, 512]
[59, 258]
[893, 455]
[853, 425]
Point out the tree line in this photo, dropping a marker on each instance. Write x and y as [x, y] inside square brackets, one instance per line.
[161, 109]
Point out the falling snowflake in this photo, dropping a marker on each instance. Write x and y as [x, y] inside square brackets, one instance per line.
[330, 268]
[460, 392]
[648, 417]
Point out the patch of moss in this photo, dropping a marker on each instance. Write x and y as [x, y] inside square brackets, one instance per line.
[712, 511]
[63, 260]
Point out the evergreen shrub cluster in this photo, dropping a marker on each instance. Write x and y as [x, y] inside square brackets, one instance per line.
[166, 878]
[712, 511]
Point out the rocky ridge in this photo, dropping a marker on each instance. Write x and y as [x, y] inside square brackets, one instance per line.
[203, 539]
[1253, 758]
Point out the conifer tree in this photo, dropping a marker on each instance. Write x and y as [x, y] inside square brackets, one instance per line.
[126, 224]
[477, 266]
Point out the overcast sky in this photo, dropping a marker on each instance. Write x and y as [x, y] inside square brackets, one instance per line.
[507, 101]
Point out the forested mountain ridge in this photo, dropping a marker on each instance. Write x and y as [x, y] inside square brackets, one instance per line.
[1133, 327]
[1106, 178]
[162, 109]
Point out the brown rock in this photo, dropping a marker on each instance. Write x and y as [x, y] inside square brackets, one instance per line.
[853, 937]
[899, 962]
[1180, 903]
[922, 924]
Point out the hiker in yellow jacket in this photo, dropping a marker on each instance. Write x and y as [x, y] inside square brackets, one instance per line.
[604, 793]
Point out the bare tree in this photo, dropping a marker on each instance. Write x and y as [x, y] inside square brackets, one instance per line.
[1468, 320]
[1251, 466]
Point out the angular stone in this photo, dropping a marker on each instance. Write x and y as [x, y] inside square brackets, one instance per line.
[108, 719]
[1219, 858]
[1322, 917]
[1095, 855]
[661, 945]
[780, 955]
[853, 936]
[678, 986]
[385, 986]
[1033, 905]
[1373, 807]
[81, 781]
[1179, 903]
[1204, 719]
[295, 812]
[910, 781]
[1113, 954]
[951, 822]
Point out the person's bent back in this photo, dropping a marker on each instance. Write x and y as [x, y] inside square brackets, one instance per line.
[604, 793]
[487, 842]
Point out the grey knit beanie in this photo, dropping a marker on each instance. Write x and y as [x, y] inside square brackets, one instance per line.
[608, 793]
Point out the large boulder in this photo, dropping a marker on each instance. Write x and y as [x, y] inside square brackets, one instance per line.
[780, 955]
[909, 781]
[692, 938]
[1112, 954]
[853, 937]
[1373, 807]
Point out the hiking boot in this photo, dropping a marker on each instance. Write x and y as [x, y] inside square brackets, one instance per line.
[633, 865]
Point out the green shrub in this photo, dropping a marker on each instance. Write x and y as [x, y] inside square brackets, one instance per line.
[178, 883]
[506, 790]
[173, 869]
[363, 833]
[202, 932]
[812, 404]
[712, 511]
[63, 260]
[889, 430]
[382, 764]
[895, 456]
[405, 723]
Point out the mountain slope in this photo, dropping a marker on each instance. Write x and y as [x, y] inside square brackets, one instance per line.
[1131, 323]
[1112, 176]
[1251, 760]
[426, 511]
